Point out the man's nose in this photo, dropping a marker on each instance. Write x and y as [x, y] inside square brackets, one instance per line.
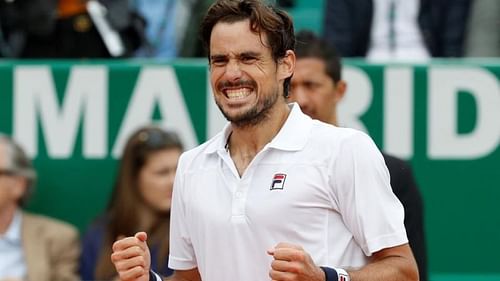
[233, 70]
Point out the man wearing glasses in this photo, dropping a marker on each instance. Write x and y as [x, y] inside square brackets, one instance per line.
[32, 247]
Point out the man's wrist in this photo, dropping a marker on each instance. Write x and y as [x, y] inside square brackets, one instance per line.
[153, 276]
[335, 274]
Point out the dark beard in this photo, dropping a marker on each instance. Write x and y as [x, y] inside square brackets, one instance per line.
[255, 115]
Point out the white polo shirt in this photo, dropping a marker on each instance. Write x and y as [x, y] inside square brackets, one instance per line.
[315, 185]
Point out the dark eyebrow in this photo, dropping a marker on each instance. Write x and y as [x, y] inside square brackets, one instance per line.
[241, 55]
[217, 57]
[249, 54]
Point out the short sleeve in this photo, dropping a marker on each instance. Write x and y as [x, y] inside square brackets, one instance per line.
[361, 185]
[182, 255]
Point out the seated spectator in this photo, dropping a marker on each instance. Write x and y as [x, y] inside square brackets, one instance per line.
[32, 247]
[161, 32]
[172, 26]
[396, 29]
[188, 39]
[483, 29]
[317, 87]
[146, 171]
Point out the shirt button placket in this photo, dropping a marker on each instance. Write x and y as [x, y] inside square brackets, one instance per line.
[239, 201]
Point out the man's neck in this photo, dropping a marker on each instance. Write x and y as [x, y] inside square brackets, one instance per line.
[333, 120]
[6, 217]
[246, 142]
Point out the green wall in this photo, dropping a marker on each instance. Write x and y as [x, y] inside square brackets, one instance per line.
[443, 117]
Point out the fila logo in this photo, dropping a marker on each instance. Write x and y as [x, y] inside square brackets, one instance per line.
[278, 181]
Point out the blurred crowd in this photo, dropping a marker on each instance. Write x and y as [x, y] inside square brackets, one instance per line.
[414, 30]
[100, 28]
[37, 247]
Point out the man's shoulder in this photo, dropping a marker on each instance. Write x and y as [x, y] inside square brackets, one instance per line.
[328, 132]
[338, 142]
[210, 145]
[37, 221]
[203, 150]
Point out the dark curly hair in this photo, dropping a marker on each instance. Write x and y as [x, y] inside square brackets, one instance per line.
[274, 23]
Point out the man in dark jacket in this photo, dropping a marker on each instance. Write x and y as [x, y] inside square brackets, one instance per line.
[348, 25]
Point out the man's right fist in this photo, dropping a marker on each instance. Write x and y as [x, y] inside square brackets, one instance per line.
[131, 258]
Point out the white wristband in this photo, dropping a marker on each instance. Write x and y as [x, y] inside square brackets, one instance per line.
[342, 274]
[153, 276]
[335, 274]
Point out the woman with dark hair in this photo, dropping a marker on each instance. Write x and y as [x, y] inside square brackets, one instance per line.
[146, 171]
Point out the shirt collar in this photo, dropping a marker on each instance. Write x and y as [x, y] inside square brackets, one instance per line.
[292, 136]
[220, 140]
[13, 233]
[295, 132]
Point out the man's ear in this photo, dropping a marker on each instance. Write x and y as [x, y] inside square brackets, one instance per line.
[340, 88]
[286, 65]
[19, 186]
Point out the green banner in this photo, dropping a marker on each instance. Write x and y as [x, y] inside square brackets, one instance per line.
[443, 117]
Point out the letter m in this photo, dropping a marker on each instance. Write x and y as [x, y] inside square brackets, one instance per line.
[35, 99]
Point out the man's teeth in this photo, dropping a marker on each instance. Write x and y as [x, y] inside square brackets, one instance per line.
[237, 93]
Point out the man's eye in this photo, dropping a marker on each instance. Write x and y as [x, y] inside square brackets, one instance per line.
[218, 62]
[248, 59]
[309, 85]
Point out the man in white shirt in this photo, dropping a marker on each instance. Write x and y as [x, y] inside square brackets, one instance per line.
[275, 195]
[395, 34]
[12, 262]
[396, 29]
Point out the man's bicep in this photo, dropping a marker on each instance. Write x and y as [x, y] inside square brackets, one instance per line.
[403, 251]
[393, 263]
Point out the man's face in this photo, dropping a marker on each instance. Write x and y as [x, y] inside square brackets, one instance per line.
[245, 79]
[314, 90]
[12, 187]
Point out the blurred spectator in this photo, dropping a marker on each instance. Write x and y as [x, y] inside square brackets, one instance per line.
[146, 171]
[22, 19]
[190, 39]
[396, 29]
[67, 29]
[32, 247]
[483, 31]
[161, 17]
[317, 86]
[172, 27]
